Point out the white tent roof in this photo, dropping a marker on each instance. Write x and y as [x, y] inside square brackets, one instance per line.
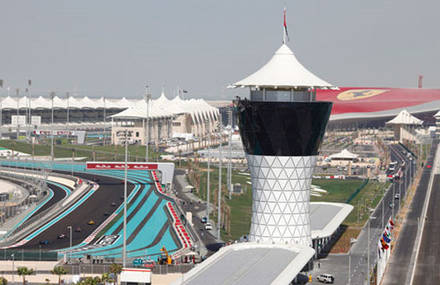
[437, 114]
[344, 154]
[282, 70]
[405, 118]
[199, 109]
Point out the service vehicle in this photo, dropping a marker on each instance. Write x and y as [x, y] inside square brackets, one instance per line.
[326, 278]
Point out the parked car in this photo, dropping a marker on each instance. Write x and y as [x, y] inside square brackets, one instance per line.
[44, 242]
[61, 236]
[326, 278]
[91, 222]
[78, 230]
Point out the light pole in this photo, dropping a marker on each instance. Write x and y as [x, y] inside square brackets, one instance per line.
[208, 174]
[124, 247]
[352, 241]
[13, 269]
[29, 108]
[67, 109]
[52, 95]
[18, 111]
[1, 109]
[104, 115]
[147, 97]
[219, 195]
[368, 253]
[230, 156]
[70, 240]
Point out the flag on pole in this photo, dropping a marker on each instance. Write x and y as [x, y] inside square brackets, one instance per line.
[384, 244]
[286, 34]
[386, 238]
[391, 223]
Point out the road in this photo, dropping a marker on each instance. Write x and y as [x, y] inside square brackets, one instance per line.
[380, 217]
[399, 265]
[197, 209]
[428, 259]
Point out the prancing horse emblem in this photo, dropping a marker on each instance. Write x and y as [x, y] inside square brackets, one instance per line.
[356, 94]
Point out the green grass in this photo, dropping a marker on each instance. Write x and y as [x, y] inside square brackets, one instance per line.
[337, 190]
[108, 152]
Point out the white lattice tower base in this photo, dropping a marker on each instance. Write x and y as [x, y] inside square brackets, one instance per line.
[281, 198]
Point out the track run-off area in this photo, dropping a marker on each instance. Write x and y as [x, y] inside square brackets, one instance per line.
[95, 216]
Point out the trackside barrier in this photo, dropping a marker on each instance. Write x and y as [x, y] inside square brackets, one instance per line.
[183, 235]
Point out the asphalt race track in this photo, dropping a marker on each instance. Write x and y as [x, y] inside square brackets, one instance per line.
[58, 195]
[110, 190]
[399, 266]
[427, 270]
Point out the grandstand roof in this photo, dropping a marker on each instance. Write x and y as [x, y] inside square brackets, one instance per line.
[199, 109]
[371, 102]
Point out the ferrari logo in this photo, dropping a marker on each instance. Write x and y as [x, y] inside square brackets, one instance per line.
[357, 94]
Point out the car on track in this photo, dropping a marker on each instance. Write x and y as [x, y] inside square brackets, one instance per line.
[208, 227]
[204, 220]
[397, 196]
[326, 278]
[61, 236]
[149, 264]
[78, 230]
[44, 242]
[91, 222]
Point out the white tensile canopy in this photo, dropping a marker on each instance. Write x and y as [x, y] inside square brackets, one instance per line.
[405, 118]
[283, 71]
[344, 154]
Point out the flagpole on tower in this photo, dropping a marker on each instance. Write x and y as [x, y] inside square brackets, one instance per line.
[285, 33]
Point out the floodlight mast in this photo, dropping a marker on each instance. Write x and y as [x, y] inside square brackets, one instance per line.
[147, 98]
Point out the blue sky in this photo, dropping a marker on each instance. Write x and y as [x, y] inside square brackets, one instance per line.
[115, 48]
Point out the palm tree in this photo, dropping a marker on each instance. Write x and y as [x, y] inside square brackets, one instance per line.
[59, 270]
[105, 277]
[3, 281]
[116, 269]
[23, 271]
[90, 281]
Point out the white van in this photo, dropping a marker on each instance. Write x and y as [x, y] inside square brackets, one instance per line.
[326, 278]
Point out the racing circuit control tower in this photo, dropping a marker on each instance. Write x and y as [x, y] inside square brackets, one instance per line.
[282, 127]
